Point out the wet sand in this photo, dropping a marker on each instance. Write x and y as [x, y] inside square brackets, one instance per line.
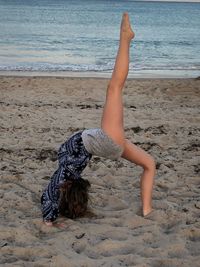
[161, 116]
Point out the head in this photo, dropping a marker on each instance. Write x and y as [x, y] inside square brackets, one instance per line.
[74, 198]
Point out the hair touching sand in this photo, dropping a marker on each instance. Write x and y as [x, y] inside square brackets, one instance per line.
[74, 197]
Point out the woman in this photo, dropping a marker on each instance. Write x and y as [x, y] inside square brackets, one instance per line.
[67, 192]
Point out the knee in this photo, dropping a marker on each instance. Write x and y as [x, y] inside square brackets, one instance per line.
[150, 164]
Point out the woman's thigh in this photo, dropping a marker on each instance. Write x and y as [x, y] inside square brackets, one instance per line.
[137, 155]
[112, 117]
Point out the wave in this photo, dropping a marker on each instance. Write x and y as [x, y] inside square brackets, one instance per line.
[95, 67]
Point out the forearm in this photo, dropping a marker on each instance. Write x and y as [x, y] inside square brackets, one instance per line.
[50, 198]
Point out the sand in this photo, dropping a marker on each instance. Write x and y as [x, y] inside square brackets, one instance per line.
[161, 116]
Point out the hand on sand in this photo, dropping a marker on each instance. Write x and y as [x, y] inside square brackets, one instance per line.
[55, 224]
[48, 223]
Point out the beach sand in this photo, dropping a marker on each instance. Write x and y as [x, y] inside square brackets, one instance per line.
[161, 116]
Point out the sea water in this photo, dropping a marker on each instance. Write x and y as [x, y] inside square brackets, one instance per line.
[82, 35]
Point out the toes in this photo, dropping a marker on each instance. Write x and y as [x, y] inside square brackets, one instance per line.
[125, 14]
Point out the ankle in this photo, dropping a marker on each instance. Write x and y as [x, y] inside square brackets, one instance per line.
[146, 210]
[125, 41]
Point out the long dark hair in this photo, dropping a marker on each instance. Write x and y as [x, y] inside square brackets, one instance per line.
[74, 197]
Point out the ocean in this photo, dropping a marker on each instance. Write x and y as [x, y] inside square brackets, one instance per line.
[82, 35]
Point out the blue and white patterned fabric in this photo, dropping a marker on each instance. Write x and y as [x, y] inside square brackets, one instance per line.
[72, 158]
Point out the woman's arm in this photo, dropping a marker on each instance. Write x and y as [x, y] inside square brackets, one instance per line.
[50, 197]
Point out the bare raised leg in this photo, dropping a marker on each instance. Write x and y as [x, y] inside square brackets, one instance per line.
[112, 118]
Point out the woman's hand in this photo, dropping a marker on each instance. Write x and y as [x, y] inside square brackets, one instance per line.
[55, 224]
[48, 223]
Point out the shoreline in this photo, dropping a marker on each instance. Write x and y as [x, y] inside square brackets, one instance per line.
[148, 74]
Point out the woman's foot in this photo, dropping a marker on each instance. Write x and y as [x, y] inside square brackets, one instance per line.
[146, 212]
[126, 33]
